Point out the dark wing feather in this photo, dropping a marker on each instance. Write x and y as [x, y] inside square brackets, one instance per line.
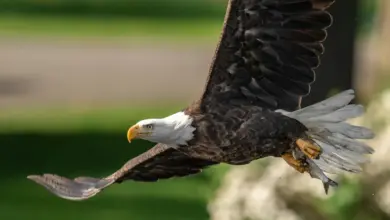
[268, 52]
[160, 162]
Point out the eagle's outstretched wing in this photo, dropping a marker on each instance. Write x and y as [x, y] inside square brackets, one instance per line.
[268, 52]
[160, 162]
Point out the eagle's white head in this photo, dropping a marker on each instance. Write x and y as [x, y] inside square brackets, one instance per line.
[173, 130]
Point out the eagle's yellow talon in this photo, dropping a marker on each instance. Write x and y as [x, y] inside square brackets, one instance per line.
[298, 165]
[310, 149]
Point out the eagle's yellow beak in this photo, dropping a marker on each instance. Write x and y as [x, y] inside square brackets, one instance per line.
[133, 132]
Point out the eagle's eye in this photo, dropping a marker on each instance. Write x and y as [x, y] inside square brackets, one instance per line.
[149, 126]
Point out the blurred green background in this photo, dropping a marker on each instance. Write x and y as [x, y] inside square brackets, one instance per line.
[63, 124]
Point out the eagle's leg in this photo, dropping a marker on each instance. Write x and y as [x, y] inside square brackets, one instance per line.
[297, 164]
[309, 148]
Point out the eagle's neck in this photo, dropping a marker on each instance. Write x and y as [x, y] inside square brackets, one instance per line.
[180, 129]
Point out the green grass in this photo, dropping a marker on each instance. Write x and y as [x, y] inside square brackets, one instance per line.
[109, 28]
[168, 199]
[162, 200]
[70, 120]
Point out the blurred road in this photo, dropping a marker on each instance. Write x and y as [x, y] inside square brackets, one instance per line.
[74, 73]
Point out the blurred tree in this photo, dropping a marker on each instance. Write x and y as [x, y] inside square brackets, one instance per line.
[383, 33]
[336, 70]
[374, 65]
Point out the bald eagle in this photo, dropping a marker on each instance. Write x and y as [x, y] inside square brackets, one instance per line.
[250, 108]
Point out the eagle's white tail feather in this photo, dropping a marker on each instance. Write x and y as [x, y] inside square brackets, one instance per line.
[340, 128]
[327, 106]
[350, 144]
[341, 159]
[342, 114]
[327, 127]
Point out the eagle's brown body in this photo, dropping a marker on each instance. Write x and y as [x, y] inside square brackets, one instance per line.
[237, 135]
[265, 61]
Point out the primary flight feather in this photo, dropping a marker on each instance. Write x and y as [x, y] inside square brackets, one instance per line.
[250, 109]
